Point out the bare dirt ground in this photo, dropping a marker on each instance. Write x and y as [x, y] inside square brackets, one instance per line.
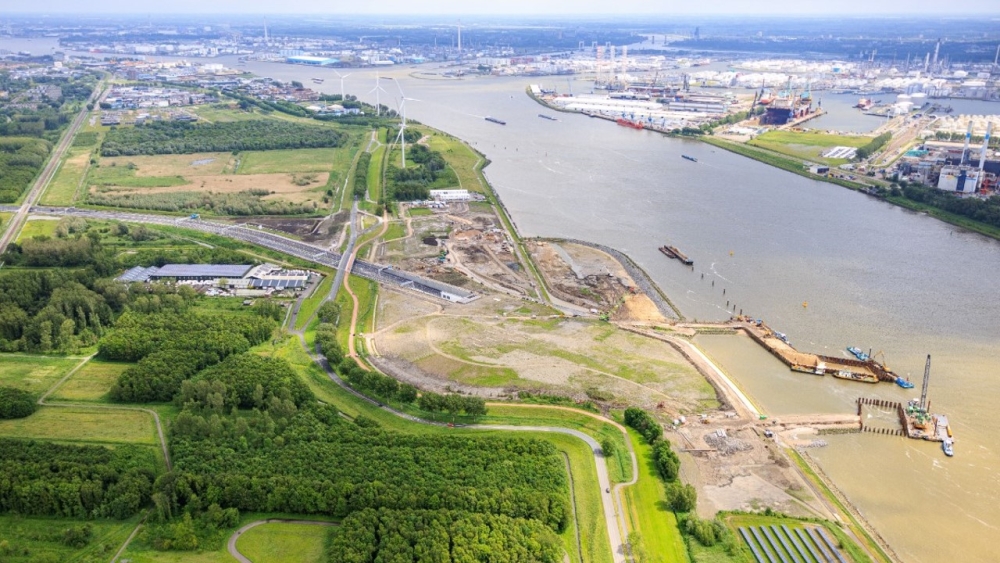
[281, 186]
[198, 164]
[740, 469]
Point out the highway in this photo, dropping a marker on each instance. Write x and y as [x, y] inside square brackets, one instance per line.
[21, 213]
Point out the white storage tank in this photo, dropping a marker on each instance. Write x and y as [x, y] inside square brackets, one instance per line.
[919, 99]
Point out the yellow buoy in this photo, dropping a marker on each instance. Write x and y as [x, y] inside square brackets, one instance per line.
[805, 304]
[731, 253]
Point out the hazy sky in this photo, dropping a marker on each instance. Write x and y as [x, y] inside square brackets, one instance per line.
[527, 7]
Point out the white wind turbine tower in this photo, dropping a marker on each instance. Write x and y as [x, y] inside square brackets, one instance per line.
[378, 88]
[342, 77]
[401, 137]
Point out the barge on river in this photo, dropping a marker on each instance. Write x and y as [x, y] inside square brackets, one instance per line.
[673, 252]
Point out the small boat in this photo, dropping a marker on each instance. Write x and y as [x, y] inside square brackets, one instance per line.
[948, 447]
[782, 337]
[549, 117]
[691, 158]
[851, 376]
[858, 353]
[495, 120]
[904, 383]
[318, 80]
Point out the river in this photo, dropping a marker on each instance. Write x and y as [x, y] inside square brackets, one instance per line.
[828, 266]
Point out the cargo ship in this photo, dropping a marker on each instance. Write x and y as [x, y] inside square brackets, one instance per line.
[549, 117]
[864, 104]
[626, 123]
[858, 353]
[495, 120]
[691, 158]
[673, 252]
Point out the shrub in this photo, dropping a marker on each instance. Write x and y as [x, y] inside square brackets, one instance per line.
[16, 403]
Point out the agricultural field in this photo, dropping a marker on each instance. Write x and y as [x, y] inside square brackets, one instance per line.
[808, 145]
[91, 382]
[280, 542]
[34, 374]
[85, 425]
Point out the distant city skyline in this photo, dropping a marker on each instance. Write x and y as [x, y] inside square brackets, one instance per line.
[511, 7]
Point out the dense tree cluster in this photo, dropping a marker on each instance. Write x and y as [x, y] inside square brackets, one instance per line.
[314, 462]
[452, 404]
[46, 479]
[16, 403]
[644, 423]
[442, 536]
[375, 384]
[983, 210]
[414, 182]
[245, 381]
[20, 160]
[361, 175]
[172, 137]
[172, 347]
[873, 146]
[55, 310]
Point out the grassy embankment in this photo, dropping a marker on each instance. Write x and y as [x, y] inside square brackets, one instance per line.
[647, 511]
[808, 145]
[64, 189]
[777, 160]
[946, 216]
[311, 303]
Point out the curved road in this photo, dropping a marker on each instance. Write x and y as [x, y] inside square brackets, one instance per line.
[231, 545]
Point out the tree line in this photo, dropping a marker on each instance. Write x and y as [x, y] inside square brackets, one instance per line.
[414, 182]
[873, 146]
[361, 175]
[984, 210]
[47, 479]
[442, 536]
[680, 497]
[173, 137]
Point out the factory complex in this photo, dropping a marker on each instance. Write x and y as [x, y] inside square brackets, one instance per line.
[964, 168]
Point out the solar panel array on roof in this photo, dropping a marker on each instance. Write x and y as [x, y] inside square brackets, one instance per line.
[202, 271]
[138, 274]
[278, 284]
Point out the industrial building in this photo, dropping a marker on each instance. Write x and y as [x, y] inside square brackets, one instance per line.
[243, 279]
[310, 60]
[450, 195]
[959, 168]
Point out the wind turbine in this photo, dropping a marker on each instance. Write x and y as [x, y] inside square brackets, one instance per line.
[343, 97]
[378, 88]
[401, 137]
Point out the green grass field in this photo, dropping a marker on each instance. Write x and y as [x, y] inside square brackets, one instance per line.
[64, 186]
[32, 540]
[311, 303]
[807, 145]
[395, 231]
[292, 160]
[648, 513]
[91, 382]
[72, 424]
[284, 543]
[125, 177]
[37, 228]
[419, 211]
[35, 374]
[366, 291]
[461, 157]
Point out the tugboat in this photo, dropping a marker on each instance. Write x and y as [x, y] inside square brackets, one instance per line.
[948, 447]
[858, 353]
[904, 383]
[549, 117]
[691, 158]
